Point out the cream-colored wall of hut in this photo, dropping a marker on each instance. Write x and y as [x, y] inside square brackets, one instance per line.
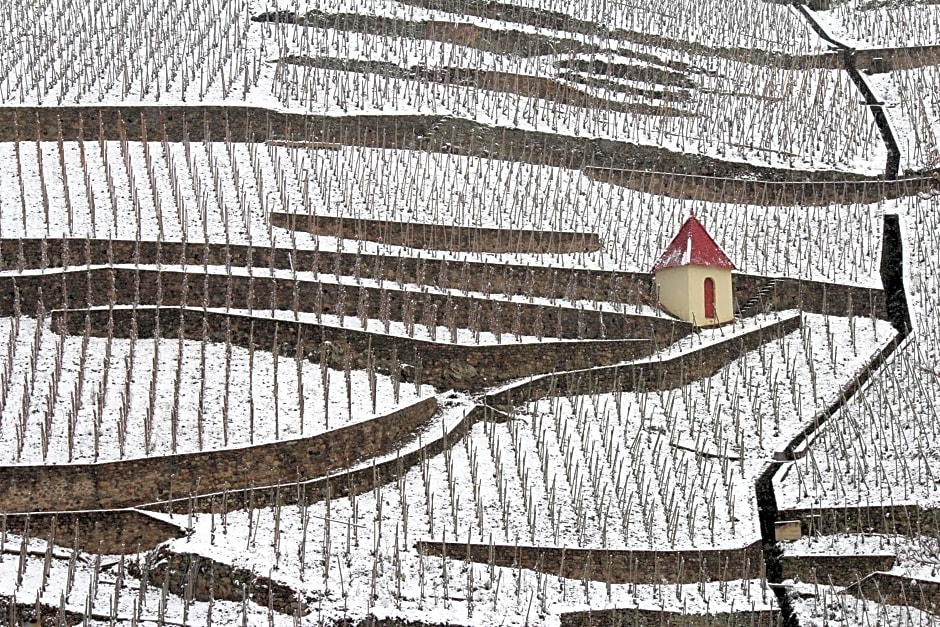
[681, 292]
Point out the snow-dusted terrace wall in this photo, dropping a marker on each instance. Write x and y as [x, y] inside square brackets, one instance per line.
[904, 519]
[418, 132]
[479, 276]
[876, 60]
[363, 478]
[834, 299]
[651, 618]
[204, 578]
[215, 123]
[440, 236]
[664, 374]
[133, 482]
[431, 363]
[839, 570]
[604, 338]
[110, 532]
[18, 613]
[538, 281]
[88, 287]
[612, 565]
[785, 191]
[899, 590]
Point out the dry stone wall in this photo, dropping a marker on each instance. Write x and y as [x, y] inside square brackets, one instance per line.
[899, 590]
[178, 123]
[205, 579]
[102, 287]
[661, 374]
[434, 133]
[109, 532]
[499, 278]
[881, 60]
[612, 566]
[359, 480]
[905, 519]
[14, 614]
[477, 276]
[834, 299]
[440, 236]
[440, 364]
[635, 617]
[133, 482]
[787, 192]
[838, 570]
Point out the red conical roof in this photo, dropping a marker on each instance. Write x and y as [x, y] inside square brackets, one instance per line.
[693, 246]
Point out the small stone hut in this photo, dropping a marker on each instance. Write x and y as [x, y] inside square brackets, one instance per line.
[693, 277]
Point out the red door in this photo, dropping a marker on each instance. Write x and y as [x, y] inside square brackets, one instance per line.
[710, 298]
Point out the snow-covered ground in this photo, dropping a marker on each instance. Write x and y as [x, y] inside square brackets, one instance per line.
[676, 468]
[222, 192]
[827, 606]
[723, 108]
[916, 556]
[348, 573]
[562, 471]
[66, 400]
[727, 108]
[738, 23]
[883, 23]
[658, 470]
[835, 243]
[68, 51]
[913, 108]
[822, 605]
[910, 96]
[883, 447]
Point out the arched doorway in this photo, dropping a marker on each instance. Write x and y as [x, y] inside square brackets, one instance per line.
[710, 298]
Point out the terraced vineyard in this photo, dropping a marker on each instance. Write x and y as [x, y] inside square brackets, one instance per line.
[336, 313]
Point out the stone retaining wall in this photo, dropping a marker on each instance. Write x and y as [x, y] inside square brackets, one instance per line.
[880, 60]
[906, 520]
[767, 193]
[337, 485]
[834, 299]
[444, 365]
[440, 236]
[634, 617]
[470, 138]
[208, 579]
[14, 613]
[79, 288]
[133, 482]
[109, 532]
[179, 123]
[837, 570]
[478, 276]
[415, 132]
[664, 374]
[612, 566]
[924, 594]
